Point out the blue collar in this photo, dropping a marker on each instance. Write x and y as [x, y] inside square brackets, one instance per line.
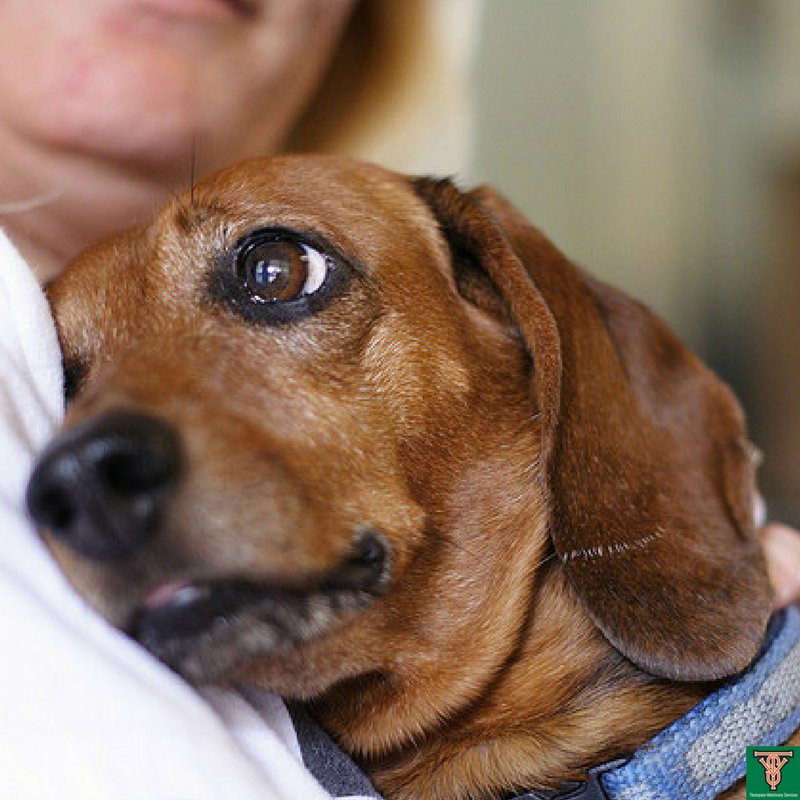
[703, 753]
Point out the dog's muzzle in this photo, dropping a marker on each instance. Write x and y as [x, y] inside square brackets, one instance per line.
[202, 627]
[103, 489]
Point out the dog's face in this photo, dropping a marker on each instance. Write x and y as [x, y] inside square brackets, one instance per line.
[328, 420]
[278, 371]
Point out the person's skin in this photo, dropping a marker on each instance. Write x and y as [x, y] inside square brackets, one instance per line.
[102, 103]
[782, 548]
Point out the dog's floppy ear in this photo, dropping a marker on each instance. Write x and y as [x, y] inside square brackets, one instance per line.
[647, 462]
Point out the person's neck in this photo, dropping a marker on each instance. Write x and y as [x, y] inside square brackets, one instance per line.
[55, 203]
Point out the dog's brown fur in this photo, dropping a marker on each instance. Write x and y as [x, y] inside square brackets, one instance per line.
[566, 490]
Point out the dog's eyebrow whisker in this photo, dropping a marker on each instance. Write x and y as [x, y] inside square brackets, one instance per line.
[192, 172]
[178, 200]
[187, 216]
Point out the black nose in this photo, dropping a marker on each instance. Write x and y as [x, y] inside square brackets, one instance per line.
[101, 487]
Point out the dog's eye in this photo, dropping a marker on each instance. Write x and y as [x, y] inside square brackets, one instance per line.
[277, 276]
[281, 270]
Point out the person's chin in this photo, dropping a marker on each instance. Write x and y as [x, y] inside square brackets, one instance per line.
[146, 137]
[199, 11]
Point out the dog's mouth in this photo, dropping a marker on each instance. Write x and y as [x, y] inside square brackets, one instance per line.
[205, 628]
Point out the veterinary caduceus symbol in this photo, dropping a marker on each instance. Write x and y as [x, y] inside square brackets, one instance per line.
[773, 762]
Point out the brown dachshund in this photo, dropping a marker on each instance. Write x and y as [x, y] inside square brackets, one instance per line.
[374, 443]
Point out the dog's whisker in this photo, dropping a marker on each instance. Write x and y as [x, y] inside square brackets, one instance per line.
[187, 212]
[543, 561]
[192, 172]
[187, 215]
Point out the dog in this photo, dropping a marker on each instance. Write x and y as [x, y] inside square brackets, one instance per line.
[374, 443]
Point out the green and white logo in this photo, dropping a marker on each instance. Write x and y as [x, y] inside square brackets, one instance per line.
[773, 772]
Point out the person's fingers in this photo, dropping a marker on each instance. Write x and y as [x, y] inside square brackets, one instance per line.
[782, 549]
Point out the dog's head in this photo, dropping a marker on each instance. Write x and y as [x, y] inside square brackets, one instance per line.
[328, 420]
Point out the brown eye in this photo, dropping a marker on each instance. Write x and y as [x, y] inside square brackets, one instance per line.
[276, 276]
[281, 270]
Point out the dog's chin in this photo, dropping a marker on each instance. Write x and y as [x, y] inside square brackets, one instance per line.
[206, 629]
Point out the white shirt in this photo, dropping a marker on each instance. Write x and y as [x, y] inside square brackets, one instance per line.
[85, 713]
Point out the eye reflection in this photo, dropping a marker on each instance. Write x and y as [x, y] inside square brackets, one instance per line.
[281, 270]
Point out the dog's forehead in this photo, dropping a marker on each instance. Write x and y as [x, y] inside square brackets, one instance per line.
[294, 175]
[362, 207]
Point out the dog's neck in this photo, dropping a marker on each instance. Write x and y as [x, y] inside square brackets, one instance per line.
[562, 702]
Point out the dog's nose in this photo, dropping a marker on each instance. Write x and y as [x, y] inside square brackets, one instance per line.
[102, 487]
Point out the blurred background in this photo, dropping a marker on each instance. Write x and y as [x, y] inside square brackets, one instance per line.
[658, 144]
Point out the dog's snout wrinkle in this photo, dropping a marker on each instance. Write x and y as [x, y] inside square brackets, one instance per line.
[101, 487]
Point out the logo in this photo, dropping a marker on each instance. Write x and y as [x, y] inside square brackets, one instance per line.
[773, 773]
[773, 763]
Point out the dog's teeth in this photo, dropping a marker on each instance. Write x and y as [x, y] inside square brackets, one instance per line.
[188, 594]
[177, 592]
